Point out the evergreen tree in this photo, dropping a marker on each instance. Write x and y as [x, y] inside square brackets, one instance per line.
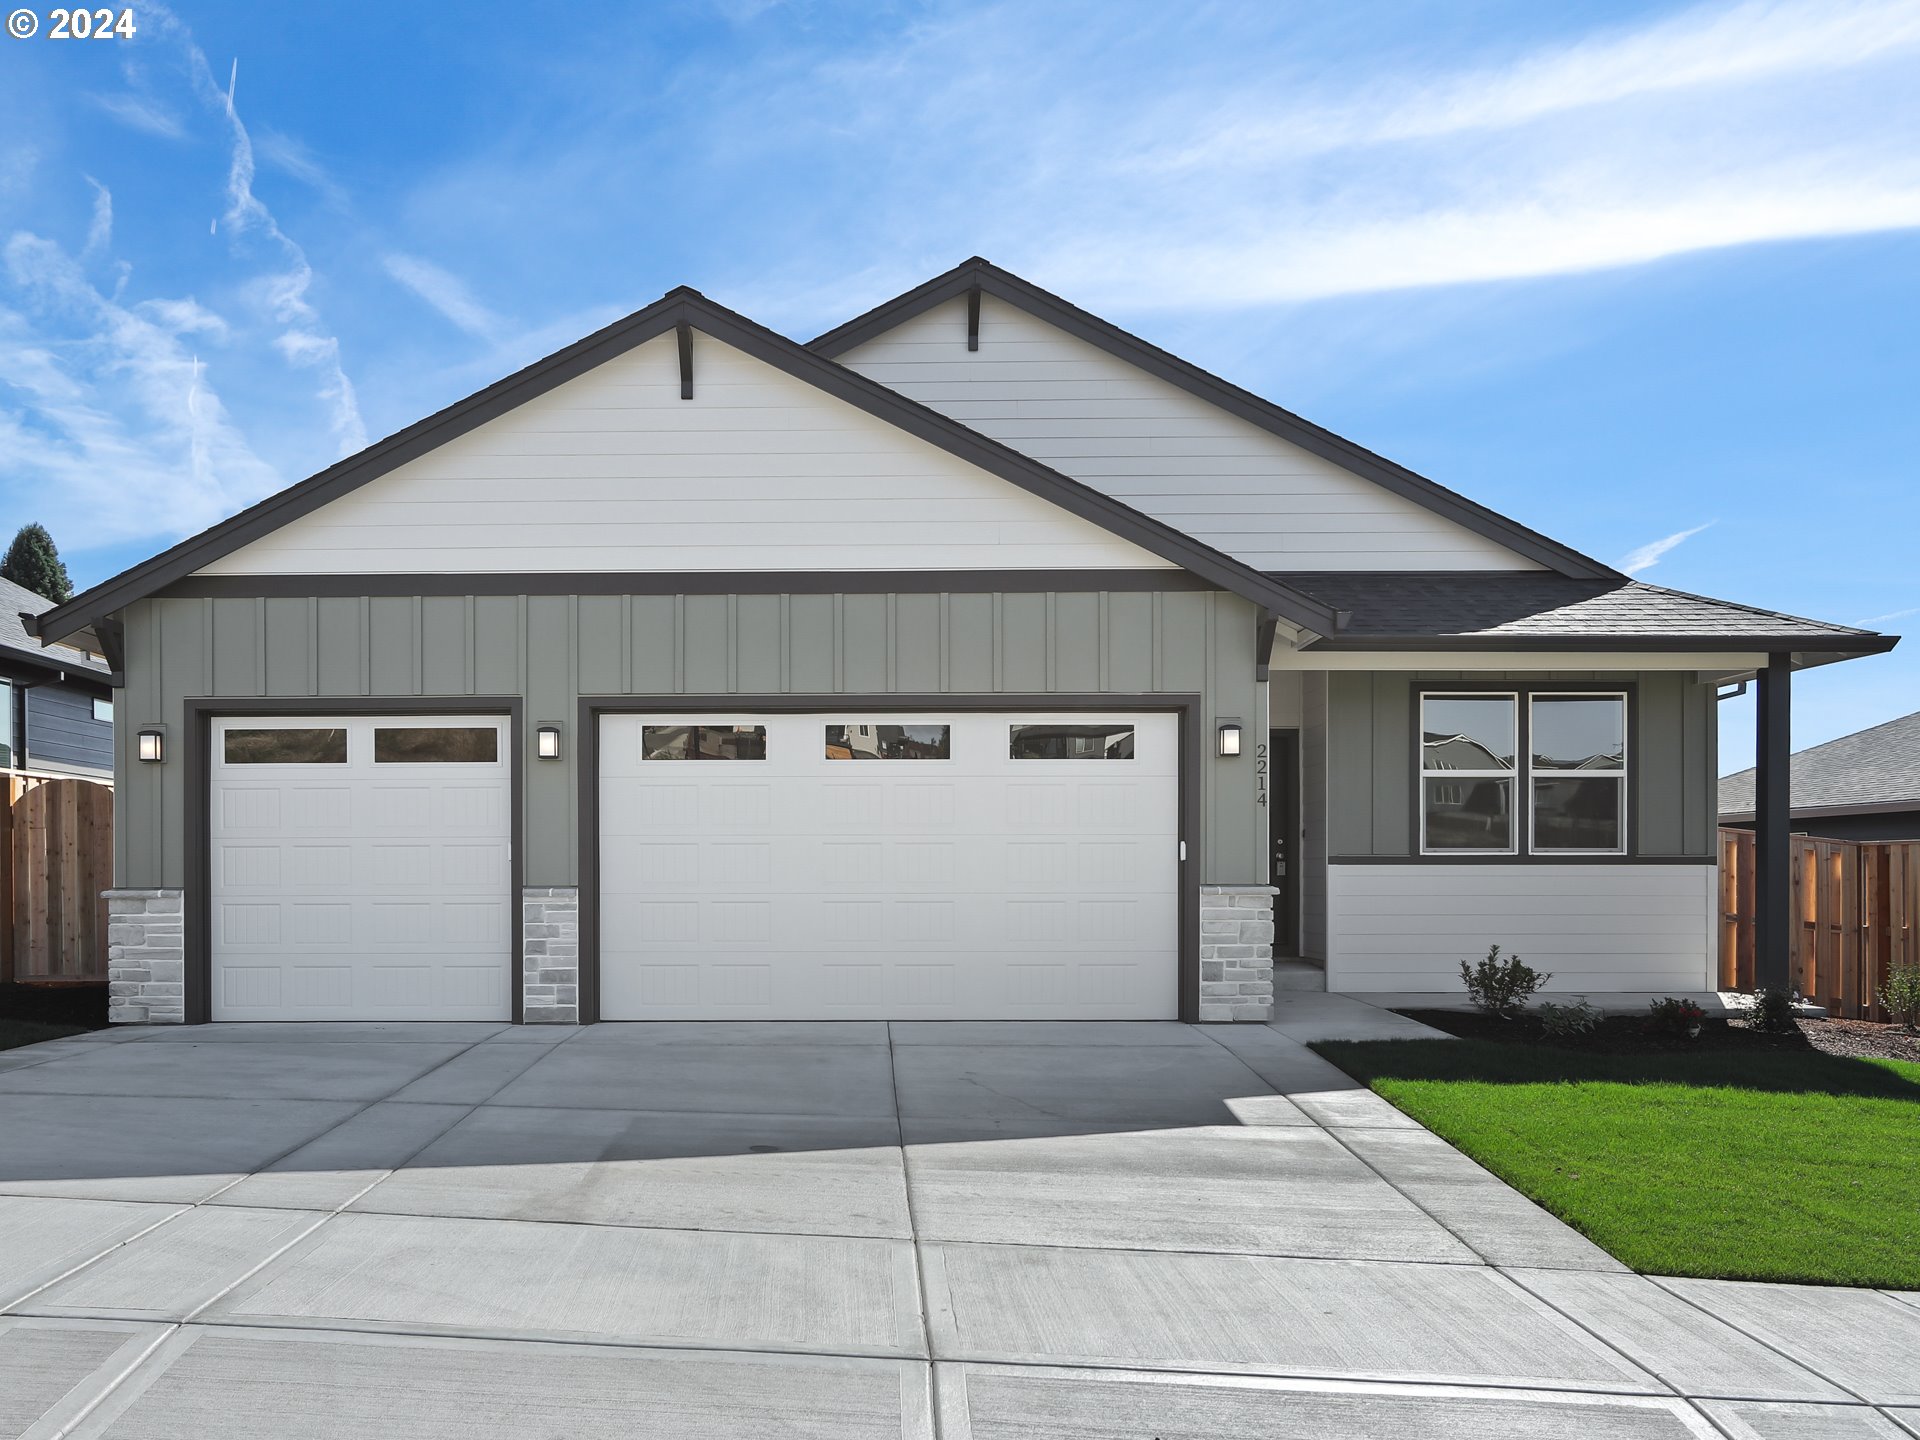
[33, 561]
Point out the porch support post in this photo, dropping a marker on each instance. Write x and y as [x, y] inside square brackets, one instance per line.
[1773, 860]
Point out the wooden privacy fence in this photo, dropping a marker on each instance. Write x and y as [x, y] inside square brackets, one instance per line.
[1852, 917]
[56, 856]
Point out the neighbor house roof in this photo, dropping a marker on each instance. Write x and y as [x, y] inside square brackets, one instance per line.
[18, 645]
[987, 278]
[1877, 769]
[1507, 610]
[686, 308]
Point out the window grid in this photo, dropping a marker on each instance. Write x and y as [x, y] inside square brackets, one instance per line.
[1523, 776]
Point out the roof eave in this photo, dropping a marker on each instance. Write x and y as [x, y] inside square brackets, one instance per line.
[991, 279]
[682, 306]
[1808, 648]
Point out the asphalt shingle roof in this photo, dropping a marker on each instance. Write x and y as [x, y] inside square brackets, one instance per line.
[1880, 766]
[1534, 606]
[14, 637]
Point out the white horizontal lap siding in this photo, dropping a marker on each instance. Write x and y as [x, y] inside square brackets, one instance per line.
[613, 470]
[1596, 927]
[1171, 454]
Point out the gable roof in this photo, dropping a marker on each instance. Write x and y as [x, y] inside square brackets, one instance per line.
[686, 307]
[1455, 611]
[988, 278]
[1874, 769]
[18, 645]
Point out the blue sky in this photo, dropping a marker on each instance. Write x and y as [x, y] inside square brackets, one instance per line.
[1640, 275]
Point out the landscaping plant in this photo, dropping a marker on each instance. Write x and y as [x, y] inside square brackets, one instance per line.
[1772, 1012]
[1901, 996]
[1565, 1022]
[1501, 987]
[1674, 1016]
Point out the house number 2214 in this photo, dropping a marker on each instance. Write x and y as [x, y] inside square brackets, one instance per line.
[1260, 773]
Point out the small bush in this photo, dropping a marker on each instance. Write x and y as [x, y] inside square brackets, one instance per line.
[1772, 1012]
[1901, 995]
[1501, 987]
[1566, 1022]
[1670, 1015]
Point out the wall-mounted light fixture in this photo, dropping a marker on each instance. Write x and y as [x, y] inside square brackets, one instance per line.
[1229, 737]
[152, 743]
[546, 742]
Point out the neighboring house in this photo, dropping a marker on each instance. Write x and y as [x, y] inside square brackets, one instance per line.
[1140, 654]
[1864, 786]
[56, 702]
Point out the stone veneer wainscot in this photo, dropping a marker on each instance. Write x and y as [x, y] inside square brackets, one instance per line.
[146, 957]
[1236, 952]
[550, 951]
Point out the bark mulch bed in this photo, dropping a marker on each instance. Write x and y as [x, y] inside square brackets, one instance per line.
[1632, 1035]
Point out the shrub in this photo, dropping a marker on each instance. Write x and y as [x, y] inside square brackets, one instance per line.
[1565, 1022]
[1901, 995]
[1501, 987]
[1772, 1012]
[1670, 1015]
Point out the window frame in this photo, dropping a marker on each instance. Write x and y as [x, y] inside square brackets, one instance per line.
[1523, 851]
[98, 701]
[1514, 774]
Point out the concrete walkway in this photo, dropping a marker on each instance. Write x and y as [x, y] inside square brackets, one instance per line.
[907, 1230]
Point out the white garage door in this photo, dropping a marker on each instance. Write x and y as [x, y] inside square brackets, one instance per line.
[360, 868]
[868, 865]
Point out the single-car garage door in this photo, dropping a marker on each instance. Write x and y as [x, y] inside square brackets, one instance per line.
[360, 868]
[874, 865]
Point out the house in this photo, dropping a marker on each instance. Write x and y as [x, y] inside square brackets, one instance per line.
[56, 702]
[1864, 786]
[412, 739]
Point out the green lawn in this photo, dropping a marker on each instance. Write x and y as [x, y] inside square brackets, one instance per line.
[32, 1032]
[1777, 1166]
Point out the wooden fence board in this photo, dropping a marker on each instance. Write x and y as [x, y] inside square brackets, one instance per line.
[56, 856]
[1851, 917]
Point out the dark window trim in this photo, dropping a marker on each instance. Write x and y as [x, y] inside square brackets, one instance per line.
[197, 716]
[1524, 691]
[1191, 779]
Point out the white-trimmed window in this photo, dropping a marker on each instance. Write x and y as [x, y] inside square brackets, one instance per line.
[1539, 772]
[1577, 753]
[1468, 745]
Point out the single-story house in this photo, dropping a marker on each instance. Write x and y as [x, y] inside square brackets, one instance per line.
[976, 660]
[1863, 786]
[56, 701]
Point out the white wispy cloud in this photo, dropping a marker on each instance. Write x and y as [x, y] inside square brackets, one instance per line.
[114, 431]
[447, 294]
[1649, 555]
[143, 113]
[1892, 615]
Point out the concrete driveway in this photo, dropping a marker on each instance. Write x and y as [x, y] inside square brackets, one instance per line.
[840, 1230]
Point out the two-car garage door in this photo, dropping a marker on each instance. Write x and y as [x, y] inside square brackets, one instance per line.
[871, 865]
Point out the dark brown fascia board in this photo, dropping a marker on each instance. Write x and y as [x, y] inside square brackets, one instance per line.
[1839, 646]
[686, 582]
[982, 275]
[684, 307]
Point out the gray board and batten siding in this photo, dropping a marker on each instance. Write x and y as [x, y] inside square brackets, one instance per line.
[1371, 758]
[554, 649]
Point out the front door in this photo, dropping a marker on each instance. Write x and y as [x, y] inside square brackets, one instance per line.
[1283, 837]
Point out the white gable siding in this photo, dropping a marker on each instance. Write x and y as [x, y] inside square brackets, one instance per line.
[1162, 450]
[614, 471]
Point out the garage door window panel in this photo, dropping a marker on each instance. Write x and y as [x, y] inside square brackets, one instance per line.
[436, 745]
[889, 742]
[281, 745]
[703, 742]
[1091, 741]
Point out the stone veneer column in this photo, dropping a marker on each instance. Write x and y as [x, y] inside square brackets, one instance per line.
[550, 950]
[1236, 952]
[146, 957]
